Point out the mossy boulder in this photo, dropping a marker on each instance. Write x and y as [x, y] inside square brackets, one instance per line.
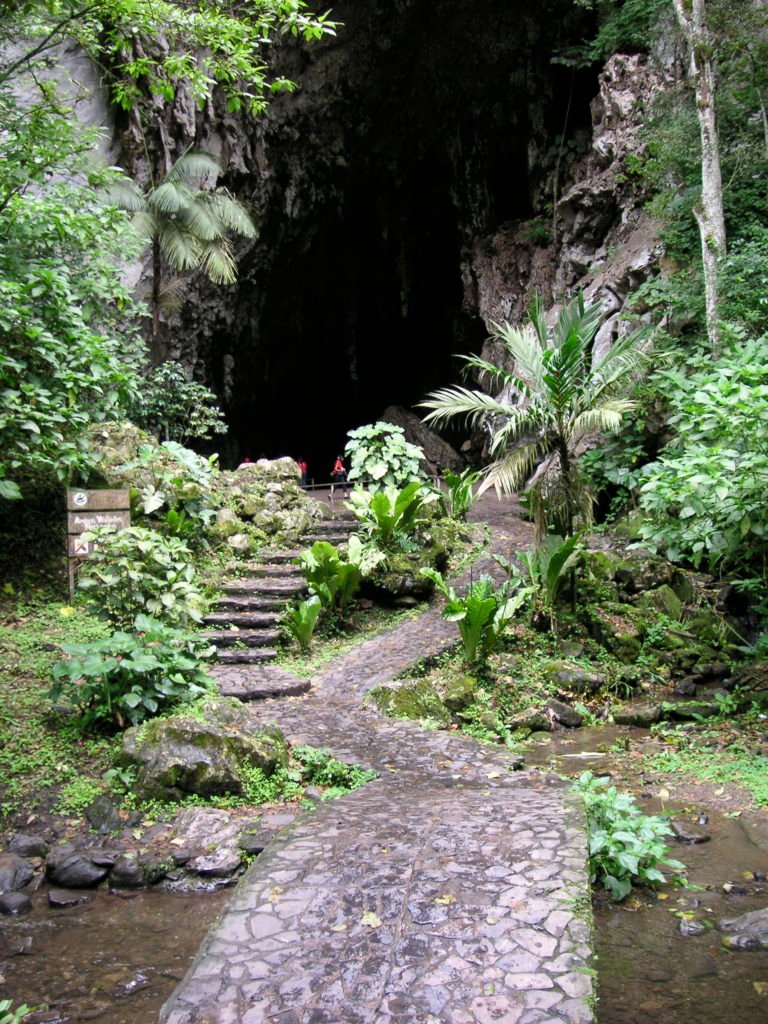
[460, 693]
[570, 678]
[417, 700]
[638, 713]
[661, 599]
[201, 754]
[620, 628]
[401, 581]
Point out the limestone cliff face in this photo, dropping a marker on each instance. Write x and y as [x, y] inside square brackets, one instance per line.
[405, 196]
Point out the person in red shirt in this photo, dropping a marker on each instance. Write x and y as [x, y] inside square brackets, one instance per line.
[339, 475]
[301, 462]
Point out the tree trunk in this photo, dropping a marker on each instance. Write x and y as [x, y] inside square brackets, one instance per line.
[691, 16]
[156, 272]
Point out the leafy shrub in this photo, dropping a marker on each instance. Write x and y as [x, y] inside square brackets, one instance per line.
[10, 1016]
[330, 578]
[380, 456]
[128, 677]
[545, 566]
[706, 493]
[482, 612]
[172, 476]
[390, 517]
[319, 768]
[137, 571]
[460, 496]
[626, 847]
[300, 620]
[175, 408]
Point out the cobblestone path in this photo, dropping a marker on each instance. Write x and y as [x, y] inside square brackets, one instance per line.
[452, 889]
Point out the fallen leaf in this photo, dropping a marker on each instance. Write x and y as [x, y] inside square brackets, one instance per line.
[663, 793]
[275, 893]
[761, 987]
[338, 927]
[662, 896]
[370, 919]
[446, 899]
[494, 775]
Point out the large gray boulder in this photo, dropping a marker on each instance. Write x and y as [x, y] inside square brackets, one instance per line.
[747, 931]
[15, 872]
[203, 755]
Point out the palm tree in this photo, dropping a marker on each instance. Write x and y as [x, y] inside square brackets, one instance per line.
[546, 406]
[188, 224]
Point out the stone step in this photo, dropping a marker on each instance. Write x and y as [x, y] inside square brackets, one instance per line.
[268, 586]
[277, 557]
[246, 620]
[273, 570]
[253, 603]
[245, 656]
[244, 637]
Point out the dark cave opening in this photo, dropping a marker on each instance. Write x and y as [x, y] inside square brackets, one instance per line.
[360, 302]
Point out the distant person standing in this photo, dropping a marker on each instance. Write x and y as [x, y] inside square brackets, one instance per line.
[339, 475]
[301, 462]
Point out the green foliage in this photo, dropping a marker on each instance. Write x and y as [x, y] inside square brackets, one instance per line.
[330, 578]
[482, 612]
[626, 847]
[706, 493]
[77, 795]
[390, 518]
[10, 1016]
[380, 457]
[744, 282]
[554, 398]
[299, 621]
[319, 768]
[624, 26]
[460, 496]
[545, 567]
[205, 47]
[69, 348]
[177, 479]
[136, 571]
[175, 408]
[128, 677]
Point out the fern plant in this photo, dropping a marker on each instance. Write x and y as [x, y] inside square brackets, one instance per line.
[554, 397]
[460, 495]
[389, 518]
[545, 567]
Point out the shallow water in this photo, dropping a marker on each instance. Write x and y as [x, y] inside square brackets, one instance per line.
[648, 973]
[114, 959]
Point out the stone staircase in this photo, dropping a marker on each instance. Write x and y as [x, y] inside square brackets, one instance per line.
[245, 621]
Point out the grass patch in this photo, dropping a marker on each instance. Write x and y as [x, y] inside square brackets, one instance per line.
[728, 766]
[40, 750]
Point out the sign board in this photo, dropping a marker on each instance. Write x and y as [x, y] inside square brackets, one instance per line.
[97, 501]
[86, 510]
[81, 522]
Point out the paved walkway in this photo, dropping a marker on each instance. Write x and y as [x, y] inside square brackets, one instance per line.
[452, 889]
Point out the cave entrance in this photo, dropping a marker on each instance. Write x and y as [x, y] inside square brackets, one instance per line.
[361, 300]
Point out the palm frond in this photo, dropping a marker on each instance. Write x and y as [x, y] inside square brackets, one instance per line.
[230, 213]
[510, 473]
[182, 250]
[194, 166]
[578, 319]
[604, 418]
[200, 220]
[144, 223]
[124, 194]
[218, 263]
[172, 294]
[458, 402]
[623, 358]
[170, 197]
[525, 349]
[531, 419]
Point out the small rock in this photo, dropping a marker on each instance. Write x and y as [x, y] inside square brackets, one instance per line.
[103, 815]
[15, 903]
[15, 872]
[313, 793]
[734, 889]
[686, 687]
[127, 873]
[640, 714]
[748, 931]
[687, 833]
[66, 898]
[72, 868]
[25, 845]
[759, 876]
[688, 927]
[564, 714]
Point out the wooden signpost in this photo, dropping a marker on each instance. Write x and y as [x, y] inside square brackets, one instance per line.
[86, 510]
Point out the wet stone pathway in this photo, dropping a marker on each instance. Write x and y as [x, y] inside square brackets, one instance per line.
[452, 889]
